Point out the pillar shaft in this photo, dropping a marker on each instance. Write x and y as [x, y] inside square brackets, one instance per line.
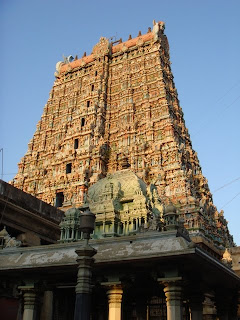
[83, 288]
[222, 304]
[114, 303]
[28, 314]
[141, 307]
[30, 301]
[196, 305]
[173, 293]
[47, 306]
[196, 311]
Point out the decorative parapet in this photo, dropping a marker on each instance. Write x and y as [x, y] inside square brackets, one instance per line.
[104, 47]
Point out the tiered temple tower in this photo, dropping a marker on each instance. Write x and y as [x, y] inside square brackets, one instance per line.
[113, 109]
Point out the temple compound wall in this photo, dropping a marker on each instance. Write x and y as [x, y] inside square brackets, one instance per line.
[114, 109]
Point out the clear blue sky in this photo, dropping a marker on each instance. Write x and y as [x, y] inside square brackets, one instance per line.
[204, 39]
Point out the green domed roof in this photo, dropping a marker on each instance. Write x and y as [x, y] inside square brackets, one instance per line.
[72, 213]
[123, 184]
[170, 208]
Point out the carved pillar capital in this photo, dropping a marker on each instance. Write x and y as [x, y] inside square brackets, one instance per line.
[84, 278]
[30, 301]
[173, 293]
[85, 261]
[114, 293]
[30, 296]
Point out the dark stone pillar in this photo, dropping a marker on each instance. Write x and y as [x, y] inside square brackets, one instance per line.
[196, 306]
[83, 288]
[141, 305]
[238, 305]
[227, 305]
[82, 306]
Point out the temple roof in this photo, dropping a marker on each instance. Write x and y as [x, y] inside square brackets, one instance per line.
[114, 49]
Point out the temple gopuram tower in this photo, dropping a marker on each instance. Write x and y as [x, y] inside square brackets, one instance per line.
[115, 109]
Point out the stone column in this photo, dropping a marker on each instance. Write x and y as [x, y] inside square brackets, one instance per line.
[173, 293]
[113, 227]
[103, 226]
[83, 288]
[196, 306]
[222, 308]
[124, 227]
[47, 306]
[115, 302]
[30, 301]
[227, 304]
[141, 306]
[238, 305]
[127, 228]
[222, 300]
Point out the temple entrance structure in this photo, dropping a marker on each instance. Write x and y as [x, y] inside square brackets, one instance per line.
[112, 141]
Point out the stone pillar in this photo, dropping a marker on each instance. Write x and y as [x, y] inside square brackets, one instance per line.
[124, 227]
[47, 306]
[226, 304]
[209, 308]
[118, 228]
[103, 227]
[222, 304]
[173, 293]
[113, 227]
[238, 305]
[141, 306]
[196, 306]
[83, 288]
[115, 302]
[30, 301]
[127, 228]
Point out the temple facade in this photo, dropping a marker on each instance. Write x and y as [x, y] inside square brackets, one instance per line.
[115, 109]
